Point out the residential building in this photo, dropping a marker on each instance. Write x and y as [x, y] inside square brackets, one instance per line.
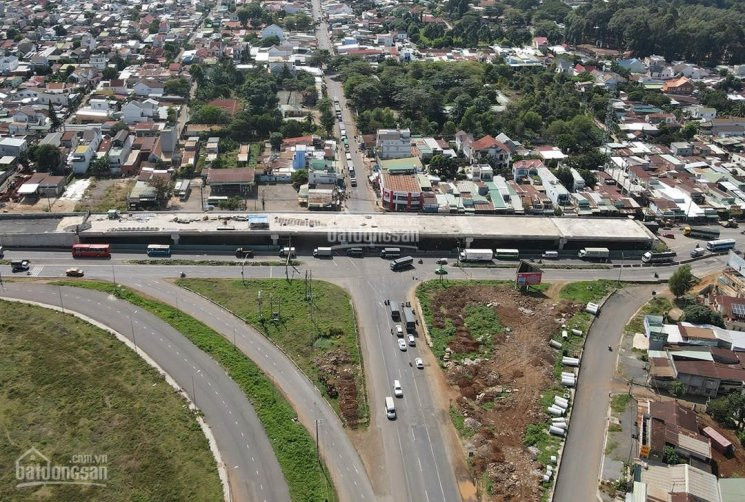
[12, 147]
[234, 180]
[393, 143]
[555, 191]
[400, 192]
[682, 85]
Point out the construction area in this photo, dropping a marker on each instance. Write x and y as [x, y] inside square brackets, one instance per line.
[492, 341]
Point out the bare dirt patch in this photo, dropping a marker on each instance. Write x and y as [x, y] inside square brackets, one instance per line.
[500, 366]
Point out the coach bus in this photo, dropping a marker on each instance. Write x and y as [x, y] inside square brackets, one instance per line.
[91, 250]
[506, 254]
[159, 250]
[402, 263]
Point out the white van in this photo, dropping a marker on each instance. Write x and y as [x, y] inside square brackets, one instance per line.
[398, 391]
[550, 255]
[390, 408]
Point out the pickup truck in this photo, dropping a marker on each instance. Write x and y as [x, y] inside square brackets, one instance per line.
[19, 265]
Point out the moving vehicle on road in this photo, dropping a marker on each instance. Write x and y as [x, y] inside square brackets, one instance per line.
[388, 253]
[353, 181]
[398, 391]
[398, 331]
[506, 254]
[158, 250]
[412, 341]
[322, 252]
[708, 233]
[244, 253]
[409, 319]
[74, 272]
[356, 252]
[661, 257]
[720, 245]
[601, 254]
[731, 223]
[550, 255]
[402, 263]
[442, 261]
[287, 251]
[19, 265]
[395, 311]
[476, 255]
[91, 251]
[697, 251]
[419, 363]
[390, 408]
[402, 344]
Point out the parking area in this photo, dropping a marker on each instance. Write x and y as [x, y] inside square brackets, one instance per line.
[279, 197]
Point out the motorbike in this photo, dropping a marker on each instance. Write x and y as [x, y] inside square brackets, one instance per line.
[182, 274]
[420, 261]
[610, 349]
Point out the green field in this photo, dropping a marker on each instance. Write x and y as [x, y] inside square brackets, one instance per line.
[68, 388]
[293, 445]
[319, 343]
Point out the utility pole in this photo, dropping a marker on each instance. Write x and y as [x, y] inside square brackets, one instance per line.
[261, 311]
[132, 328]
[193, 392]
[61, 303]
[113, 274]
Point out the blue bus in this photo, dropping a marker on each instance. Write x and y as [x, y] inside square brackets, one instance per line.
[159, 250]
[720, 245]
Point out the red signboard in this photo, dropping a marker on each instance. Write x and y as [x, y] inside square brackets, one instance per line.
[529, 278]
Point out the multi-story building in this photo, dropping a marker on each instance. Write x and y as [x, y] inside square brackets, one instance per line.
[400, 192]
[393, 143]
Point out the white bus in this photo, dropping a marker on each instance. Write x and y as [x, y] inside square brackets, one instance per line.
[506, 254]
[720, 245]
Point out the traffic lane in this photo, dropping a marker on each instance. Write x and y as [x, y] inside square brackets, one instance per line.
[582, 456]
[346, 468]
[253, 471]
[434, 481]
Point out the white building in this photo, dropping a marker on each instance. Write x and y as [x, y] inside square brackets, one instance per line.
[12, 147]
[393, 143]
[555, 191]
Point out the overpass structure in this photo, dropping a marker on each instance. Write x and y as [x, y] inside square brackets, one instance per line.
[424, 232]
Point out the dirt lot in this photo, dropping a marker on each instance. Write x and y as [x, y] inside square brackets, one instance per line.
[725, 467]
[500, 363]
[105, 194]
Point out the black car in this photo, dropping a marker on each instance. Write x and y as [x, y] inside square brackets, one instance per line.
[244, 253]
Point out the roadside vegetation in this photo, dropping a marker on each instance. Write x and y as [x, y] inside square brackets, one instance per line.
[292, 443]
[319, 336]
[70, 388]
[113, 197]
[658, 305]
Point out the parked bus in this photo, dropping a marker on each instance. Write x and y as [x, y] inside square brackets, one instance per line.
[158, 250]
[402, 263]
[215, 200]
[506, 254]
[662, 257]
[390, 253]
[91, 251]
[709, 233]
[720, 245]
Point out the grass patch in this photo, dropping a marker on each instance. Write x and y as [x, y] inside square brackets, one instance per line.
[211, 263]
[610, 446]
[615, 428]
[320, 344]
[482, 322]
[588, 291]
[459, 421]
[70, 388]
[619, 402]
[115, 197]
[656, 306]
[293, 445]
[537, 435]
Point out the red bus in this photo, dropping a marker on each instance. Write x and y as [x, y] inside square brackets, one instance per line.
[91, 250]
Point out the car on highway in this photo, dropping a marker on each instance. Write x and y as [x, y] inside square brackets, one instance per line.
[2, 252]
[442, 261]
[74, 272]
[412, 341]
[419, 363]
[398, 331]
[398, 391]
[390, 408]
[244, 253]
[402, 344]
[19, 265]
[441, 271]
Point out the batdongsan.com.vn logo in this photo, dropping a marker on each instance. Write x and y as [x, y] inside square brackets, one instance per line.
[33, 468]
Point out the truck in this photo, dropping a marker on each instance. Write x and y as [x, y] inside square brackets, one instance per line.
[594, 253]
[706, 233]
[19, 265]
[322, 252]
[409, 319]
[731, 223]
[476, 255]
[658, 257]
[287, 251]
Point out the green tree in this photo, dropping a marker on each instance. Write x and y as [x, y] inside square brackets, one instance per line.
[269, 41]
[109, 73]
[163, 187]
[48, 157]
[299, 177]
[177, 86]
[53, 118]
[443, 166]
[276, 140]
[677, 388]
[700, 314]
[728, 410]
[681, 281]
[209, 114]
[99, 166]
[243, 16]
[564, 175]
[670, 456]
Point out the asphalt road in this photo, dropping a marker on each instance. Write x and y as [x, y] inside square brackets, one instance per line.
[253, 471]
[583, 450]
[360, 199]
[346, 468]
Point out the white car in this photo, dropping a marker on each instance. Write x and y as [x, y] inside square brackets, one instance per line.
[402, 344]
[419, 363]
[412, 341]
[397, 390]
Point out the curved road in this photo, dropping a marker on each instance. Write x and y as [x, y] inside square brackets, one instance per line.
[253, 471]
